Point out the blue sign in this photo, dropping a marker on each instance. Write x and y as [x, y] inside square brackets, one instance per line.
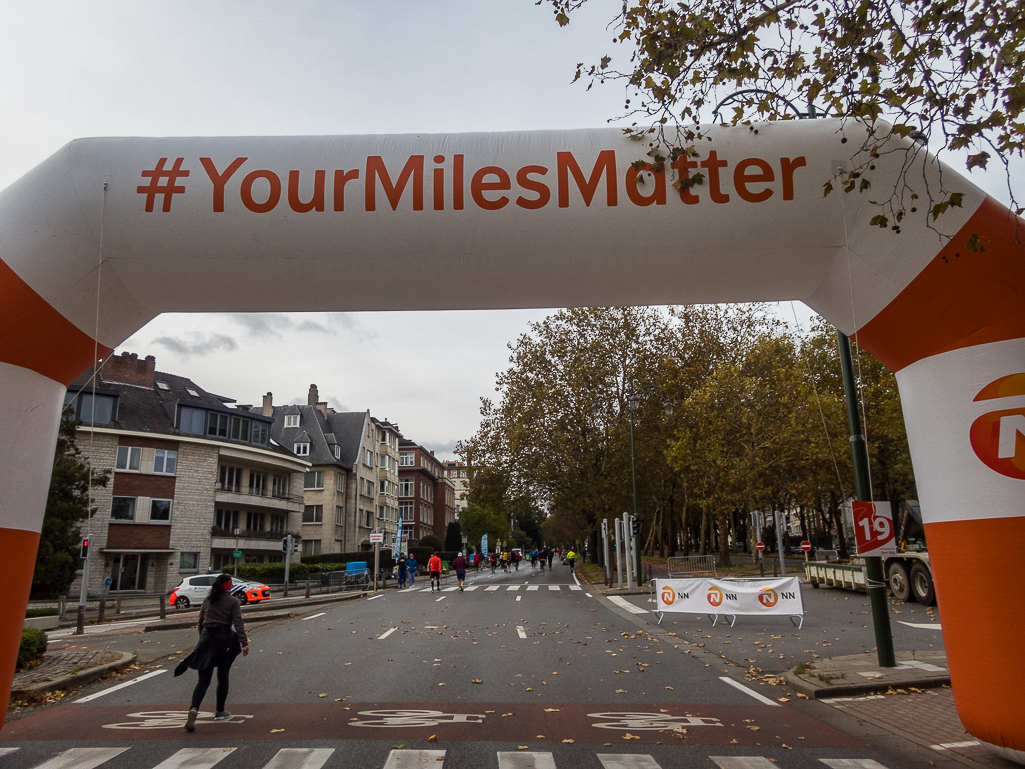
[484, 545]
[108, 582]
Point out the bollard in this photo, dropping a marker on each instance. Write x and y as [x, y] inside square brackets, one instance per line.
[774, 574]
[117, 605]
[308, 584]
[285, 593]
[163, 606]
[101, 611]
[761, 565]
[62, 607]
[80, 623]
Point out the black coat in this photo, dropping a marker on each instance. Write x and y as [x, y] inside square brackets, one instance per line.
[218, 645]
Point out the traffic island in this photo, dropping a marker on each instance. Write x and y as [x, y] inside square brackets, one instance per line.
[861, 674]
[65, 669]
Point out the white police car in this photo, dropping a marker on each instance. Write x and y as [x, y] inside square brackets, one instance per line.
[193, 590]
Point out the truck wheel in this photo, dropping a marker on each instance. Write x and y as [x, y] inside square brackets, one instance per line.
[921, 585]
[900, 585]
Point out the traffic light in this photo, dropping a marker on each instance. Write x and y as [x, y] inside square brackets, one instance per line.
[635, 525]
[295, 545]
[284, 545]
[85, 547]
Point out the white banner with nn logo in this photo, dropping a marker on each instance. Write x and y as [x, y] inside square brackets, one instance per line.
[726, 597]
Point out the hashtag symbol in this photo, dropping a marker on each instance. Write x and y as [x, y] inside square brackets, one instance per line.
[155, 188]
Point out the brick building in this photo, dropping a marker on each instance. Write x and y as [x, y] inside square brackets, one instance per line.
[426, 496]
[188, 471]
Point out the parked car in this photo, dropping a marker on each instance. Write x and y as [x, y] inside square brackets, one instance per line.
[193, 590]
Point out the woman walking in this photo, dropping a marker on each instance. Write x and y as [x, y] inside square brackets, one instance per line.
[221, 637]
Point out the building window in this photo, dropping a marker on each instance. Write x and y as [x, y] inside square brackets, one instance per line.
[258, 484]
[122, 509]
[254, 521]
[164, 461]
[191, 420]
[368, 458]
[337, 451]
[302, 449]
[339, 515]
[129, 458]
[277, 523]
[313, 514]
[311, 547]
[314, 480]
[192, 392]
[279, 487]
[83, 407]
[160, 510]
[240, 429]
[227, 520]
[230, 478]
[406, 511]
[291, 420]
[406, 486]
[261, 432]
[340, 483]
[163, 386]
[188, 562]
[406, 458]
[217, 425]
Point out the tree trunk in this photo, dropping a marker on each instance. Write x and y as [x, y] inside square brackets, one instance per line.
[724, 539]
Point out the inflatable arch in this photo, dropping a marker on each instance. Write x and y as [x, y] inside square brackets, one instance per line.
[109, 233]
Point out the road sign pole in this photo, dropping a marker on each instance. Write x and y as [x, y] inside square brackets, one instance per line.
[605, 549]
[288, 556]
[619, 557]
[780, 523]
[377, 562]
[863, 492]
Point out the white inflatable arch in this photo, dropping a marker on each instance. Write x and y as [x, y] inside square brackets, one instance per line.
[109, 233]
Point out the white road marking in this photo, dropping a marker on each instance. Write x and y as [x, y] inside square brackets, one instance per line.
[534, 587]
[442, 598]
[923, 625]
[371, 598]
[195, 758]
[575, 578]
[629, 761]
[492, 588]
[521, 759]
[513, 587]
[81, 758]
[427, 590]
[472, 587]
[756, 695]
[575, 587]
[622, 603]
[300, 758]
[386, 633]
[519, 597]
[125, 685]
[520, 631]
[742, 762]
[415, 759]
[555, 587]
[450, 589]
[851, 763]
[6, 751]
[949, 745]
[313, 616]
[589, 595]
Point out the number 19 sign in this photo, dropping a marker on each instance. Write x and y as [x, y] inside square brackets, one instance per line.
[873, 528]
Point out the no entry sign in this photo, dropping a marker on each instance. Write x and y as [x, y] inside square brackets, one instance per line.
[760, 546]
[806, 546]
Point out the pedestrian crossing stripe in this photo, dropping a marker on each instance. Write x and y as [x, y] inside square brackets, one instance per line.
[472, 587]
[317, 758]
[492, 588]
[513, 587]
[450, 589]
[533, 587]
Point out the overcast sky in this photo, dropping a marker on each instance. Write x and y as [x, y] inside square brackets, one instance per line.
[102, 68]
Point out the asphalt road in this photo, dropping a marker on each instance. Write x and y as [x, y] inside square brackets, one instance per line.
[523, 671]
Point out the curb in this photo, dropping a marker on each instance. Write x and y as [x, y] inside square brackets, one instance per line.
[89, 674]
[843, 690]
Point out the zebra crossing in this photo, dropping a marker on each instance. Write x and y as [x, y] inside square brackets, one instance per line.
[495, 588]
[318, 758]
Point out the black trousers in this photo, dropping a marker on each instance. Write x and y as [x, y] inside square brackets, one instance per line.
[205, 676]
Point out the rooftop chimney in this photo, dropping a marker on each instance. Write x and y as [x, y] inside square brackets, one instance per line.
[128, 369]
[313, 397]
[268, 405]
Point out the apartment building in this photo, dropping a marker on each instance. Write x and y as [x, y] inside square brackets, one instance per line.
[455, 471]
[388, 437]
[194, 478]
[426, 496]
[340, 488]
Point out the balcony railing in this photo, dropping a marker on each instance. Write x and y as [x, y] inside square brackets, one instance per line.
[217, 531]
[235, 488]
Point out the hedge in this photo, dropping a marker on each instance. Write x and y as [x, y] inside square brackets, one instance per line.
[32, 649]
[386, 559]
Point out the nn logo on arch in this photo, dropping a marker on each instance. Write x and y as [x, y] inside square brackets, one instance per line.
[998, 437]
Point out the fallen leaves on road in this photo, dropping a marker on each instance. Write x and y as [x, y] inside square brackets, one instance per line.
[620, 691]
[783, 699]
[669, 688]
[322, 695]
[275, 731]
[569, 742]
[476, 681]
[629, 736]
[521, 747]
[551, 710]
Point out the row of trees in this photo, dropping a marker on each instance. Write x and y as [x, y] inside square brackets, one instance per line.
[758, 422]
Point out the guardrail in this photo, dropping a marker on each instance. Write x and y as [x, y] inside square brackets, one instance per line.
[691, 566]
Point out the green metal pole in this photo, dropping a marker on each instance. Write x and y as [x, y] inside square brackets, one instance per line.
[633, 473]
[863, 492]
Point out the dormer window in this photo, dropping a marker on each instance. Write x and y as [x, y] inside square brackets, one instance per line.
[163, 386]
[337, 451]
[291, 420]
[302, 449]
